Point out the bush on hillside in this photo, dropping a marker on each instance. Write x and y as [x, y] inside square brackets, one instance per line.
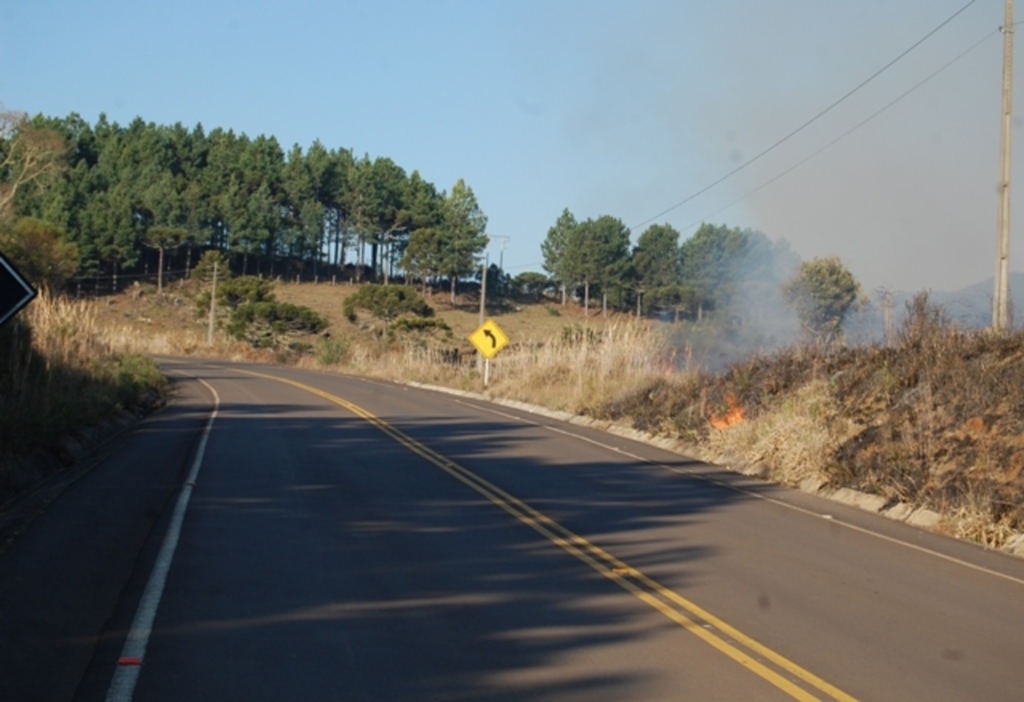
[387, 303]
[254, 315]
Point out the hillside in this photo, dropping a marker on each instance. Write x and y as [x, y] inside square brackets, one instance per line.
[171, 322]
[934, 421]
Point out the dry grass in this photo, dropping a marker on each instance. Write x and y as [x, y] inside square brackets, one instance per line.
[936, 421]
[571, 374]
[579, 371]
[60, 372]
[558, 357]
[796, 442]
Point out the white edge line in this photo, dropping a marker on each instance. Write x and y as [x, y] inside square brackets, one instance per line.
[122, 687]
[751, 493]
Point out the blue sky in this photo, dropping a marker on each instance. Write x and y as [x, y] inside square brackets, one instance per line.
[621, 108]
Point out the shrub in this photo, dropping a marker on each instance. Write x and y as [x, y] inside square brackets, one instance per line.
[254, 315]
[387, 303]
[822, 293]
[39, 252]
[331, 351]
[263, 322]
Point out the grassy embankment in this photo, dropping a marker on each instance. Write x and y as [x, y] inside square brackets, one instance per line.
[934, 421]
[61, 372]
[544, 364]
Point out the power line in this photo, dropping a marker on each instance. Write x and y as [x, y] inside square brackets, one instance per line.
[527, 265]
[808, 123]
[849, 131]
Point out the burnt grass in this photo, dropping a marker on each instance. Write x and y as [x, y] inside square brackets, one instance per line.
[937, 416]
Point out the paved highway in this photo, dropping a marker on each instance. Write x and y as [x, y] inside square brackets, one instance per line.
[338, 538]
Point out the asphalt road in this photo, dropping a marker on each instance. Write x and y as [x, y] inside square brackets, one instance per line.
[350, 539]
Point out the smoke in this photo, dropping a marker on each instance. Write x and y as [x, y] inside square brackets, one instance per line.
[906, 201]
[749, 315]
[683, 94]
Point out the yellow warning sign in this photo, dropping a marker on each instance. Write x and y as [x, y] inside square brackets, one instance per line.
[489, 339]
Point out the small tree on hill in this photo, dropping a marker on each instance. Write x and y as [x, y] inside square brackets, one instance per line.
[554, 250]
[254, 315]
[822, 293]
[203, 270]
[464, 225]
[596, 253]
[164, 239]
[387, 303]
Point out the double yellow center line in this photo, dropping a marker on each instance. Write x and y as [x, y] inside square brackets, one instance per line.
[756, 657]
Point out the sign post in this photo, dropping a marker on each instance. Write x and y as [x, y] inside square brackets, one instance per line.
[15, 292]
[488, 339]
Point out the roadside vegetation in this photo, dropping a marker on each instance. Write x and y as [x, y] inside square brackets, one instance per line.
[725, 340]
[62, 373]
[933, 420]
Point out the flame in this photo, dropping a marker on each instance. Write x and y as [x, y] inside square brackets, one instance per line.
[670, 364]
[733, 416]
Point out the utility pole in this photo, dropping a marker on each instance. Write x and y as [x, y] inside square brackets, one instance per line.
[1001, 297]
[501, 254]
[213, 306]
[483, 292]
[481, 362]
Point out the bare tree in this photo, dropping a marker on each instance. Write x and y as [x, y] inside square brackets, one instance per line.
[28, 154]
[886, 297]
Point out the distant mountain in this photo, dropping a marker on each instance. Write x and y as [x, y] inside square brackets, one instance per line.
[969, 307]
[972, 306]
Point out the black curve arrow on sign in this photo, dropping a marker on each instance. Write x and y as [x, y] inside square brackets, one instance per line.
[494, 339]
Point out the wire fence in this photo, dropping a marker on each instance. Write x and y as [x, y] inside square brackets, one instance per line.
[102, 284]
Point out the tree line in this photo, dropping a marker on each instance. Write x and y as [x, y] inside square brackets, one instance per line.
[736, 275]
[124, 194]
[101, 199]
[706, 273]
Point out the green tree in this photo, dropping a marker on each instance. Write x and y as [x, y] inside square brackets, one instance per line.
[232, 292]
[376, 203]
[114, 228]
[822, 293]
[674, 298]
[425, 254]
[263, 324]
[447, 232]
[530, 285]
[553, 248]
[464, 226]
[255, 199]
[727, 268]
[254, 315]
[386, 303]
[656, 257]
[422, 208]
[336, 184]
[596, 253]
[163, 239]
[245, 289]
[203, 272]
[232, 193]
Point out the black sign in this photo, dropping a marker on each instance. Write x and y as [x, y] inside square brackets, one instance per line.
[15, 292]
